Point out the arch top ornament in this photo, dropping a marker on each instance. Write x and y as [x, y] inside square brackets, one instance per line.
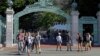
[44, 3]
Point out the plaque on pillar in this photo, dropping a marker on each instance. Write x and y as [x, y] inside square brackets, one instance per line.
[9, 18]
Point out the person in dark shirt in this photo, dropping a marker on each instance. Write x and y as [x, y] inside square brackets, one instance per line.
[80, 42]
[37, 41]
[68, 42]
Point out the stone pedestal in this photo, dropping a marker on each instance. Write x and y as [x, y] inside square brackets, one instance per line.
[74, 25]
[9, 27]
[98, 19]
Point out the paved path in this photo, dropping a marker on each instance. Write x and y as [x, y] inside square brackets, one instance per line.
[50, 51]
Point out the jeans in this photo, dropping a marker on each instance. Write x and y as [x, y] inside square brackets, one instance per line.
[20, 47]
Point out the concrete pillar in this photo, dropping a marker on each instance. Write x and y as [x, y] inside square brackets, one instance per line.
[74, 25]
[0, 28]
[98, 21]
[9, 27]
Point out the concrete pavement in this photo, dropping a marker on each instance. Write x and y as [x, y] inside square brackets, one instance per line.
[50, 50]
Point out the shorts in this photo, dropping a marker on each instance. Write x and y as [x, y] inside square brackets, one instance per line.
[29, 46]
[59, 42]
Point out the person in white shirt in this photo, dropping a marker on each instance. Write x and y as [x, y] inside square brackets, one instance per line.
[59, 41]
[89, 40]
[30, 41]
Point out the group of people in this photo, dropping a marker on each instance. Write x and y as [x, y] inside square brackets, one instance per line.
[85, 41]
[68, 41]
[27, 41]
[30, 40]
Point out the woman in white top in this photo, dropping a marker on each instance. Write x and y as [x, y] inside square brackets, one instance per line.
[30, 41]
[89, 41]
[59, 41]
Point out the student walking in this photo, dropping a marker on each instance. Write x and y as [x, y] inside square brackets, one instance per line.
[37, 41]
[80, 41]
[25, 41]
[59, 41]
[30, 41]
[20, 38]
[68, 42]
[33, 44]
[89, 41]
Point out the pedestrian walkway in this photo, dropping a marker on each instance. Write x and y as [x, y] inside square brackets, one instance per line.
[50, 50]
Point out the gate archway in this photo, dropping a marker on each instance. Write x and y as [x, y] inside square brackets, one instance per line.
[37, 7]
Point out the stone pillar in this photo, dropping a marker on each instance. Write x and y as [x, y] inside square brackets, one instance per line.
[0, 28]
[74, 25]
[16, 28]
[98, 19]
[9, 27]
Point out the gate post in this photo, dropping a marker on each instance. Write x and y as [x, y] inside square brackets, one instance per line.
[98, 21]
[74, 27]
[9, 27]
[74, 22]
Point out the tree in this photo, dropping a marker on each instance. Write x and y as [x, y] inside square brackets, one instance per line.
[3, 6]
[18, 5]
[47, 19]
[40, 20]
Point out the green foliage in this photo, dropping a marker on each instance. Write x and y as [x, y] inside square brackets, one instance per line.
[18, 3]
[40, 20]
[3, 6]
[31, 1]
[47, 19]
